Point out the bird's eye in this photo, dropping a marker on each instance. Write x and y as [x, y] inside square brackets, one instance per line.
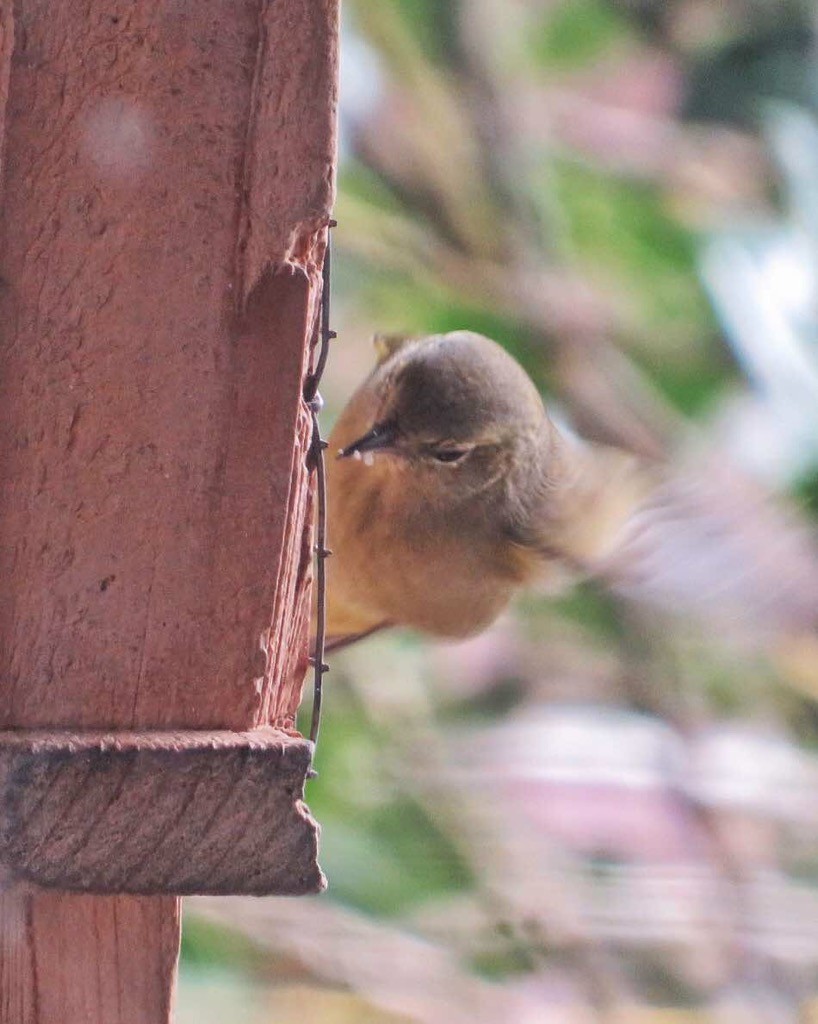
[449, 455]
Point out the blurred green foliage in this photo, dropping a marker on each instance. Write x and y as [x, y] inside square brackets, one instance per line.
[384, 853]
[574, 33]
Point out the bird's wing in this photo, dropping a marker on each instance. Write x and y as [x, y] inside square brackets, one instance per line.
[713, 541]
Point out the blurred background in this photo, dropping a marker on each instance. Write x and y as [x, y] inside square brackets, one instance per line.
[606, 807]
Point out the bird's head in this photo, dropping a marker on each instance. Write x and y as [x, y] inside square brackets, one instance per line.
[455, 406]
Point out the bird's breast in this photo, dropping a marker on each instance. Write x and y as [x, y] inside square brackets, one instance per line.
[405, 555]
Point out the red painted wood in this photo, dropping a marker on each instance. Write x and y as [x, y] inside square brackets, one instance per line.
[68, 959]
[167, 176]
[154, 813]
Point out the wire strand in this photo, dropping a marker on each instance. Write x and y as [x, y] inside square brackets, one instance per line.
[316, 455]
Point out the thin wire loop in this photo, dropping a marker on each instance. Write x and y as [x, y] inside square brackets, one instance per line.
[316, 460]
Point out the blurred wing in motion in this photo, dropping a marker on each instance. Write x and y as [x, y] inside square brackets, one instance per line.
[716, 544]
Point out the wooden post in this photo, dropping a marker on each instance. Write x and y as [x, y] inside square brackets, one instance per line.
[168, 172]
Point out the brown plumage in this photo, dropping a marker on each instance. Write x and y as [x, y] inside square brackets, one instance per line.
[450, 488]
[453, 488]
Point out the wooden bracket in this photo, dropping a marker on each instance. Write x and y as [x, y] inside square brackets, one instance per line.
[158, 812]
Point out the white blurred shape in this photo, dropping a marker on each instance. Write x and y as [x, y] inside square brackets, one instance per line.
[763, 288]
[757, 772]
[361, 85]
[763, 282]
[791, 275]
[581, 744]
[118, 137]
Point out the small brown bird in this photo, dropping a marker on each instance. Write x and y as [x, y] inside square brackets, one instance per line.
[452, 489]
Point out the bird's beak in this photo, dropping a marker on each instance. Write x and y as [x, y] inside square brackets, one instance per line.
[380, 438]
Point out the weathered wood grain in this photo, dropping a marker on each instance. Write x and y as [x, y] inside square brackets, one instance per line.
[154, 813]
[167, 175]
[69, 959]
